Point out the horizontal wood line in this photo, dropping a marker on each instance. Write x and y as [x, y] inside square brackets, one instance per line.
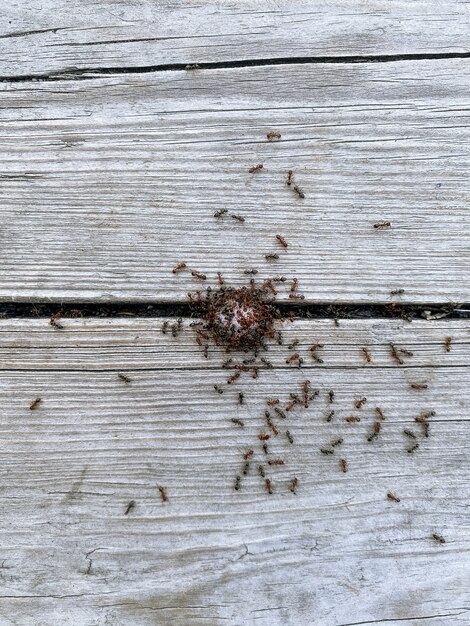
[149, 309]
[89, 73]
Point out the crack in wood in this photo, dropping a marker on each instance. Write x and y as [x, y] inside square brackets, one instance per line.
[90, 73]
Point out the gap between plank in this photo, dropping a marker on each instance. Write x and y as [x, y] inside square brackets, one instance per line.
[90, 73]
[320, 310]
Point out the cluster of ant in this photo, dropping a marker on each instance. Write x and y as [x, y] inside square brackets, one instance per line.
[243, 320]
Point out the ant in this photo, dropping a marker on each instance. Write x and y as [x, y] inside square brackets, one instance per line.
[248, 454]
[238, 422]
[343, 464]
[179, 267]
[447, 342]
[238, 218]
[305, 389]
[313, 351]
[35, 403]
[124, 378]
[360, 403]
[329, 417]
[163, 495]
[375, 432]
[299, 191]
[129, 507]
[382, 225]
[397, 352]
[392, 497]
[291, 405]
[256, 168]
[234, 377]
[273, 135]
[438, 538]
[271, 257]
[290, 178]
[282, 241]
[367, 355]
[295, 358]
[54, 321]
[353, 418]
[418, 386]
[397, 292]
[379, 413]
[289, 437]
[237, 484]
[280, 412]
[269, 486]
[293, 485]
[198, 275]
[271, 425]
[424, 424]
[241, 398]
[220, 213]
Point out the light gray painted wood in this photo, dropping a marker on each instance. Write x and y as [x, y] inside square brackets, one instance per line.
[337, 553]
[106, 183]
[41, 36]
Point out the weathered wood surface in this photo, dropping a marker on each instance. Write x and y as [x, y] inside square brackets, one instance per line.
[336, 554]
[107, 183]
[44, 36]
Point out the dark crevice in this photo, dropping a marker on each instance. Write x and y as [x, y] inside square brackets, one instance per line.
[319, 310]
[88, 73]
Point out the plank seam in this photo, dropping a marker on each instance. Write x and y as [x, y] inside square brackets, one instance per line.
[171, 309]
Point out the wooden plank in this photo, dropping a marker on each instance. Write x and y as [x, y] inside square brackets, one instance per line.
[336, 554]
[107, 183]
[44, 36]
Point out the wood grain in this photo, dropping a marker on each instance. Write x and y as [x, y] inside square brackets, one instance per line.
[44, 36]
[336, 554]
[107, 183]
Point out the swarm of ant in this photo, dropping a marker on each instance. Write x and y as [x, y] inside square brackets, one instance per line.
[238, 319]
[245, 320]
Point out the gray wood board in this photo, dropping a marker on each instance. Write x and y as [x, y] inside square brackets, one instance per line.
[107, 183]
[337, 553]
[46, 36]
